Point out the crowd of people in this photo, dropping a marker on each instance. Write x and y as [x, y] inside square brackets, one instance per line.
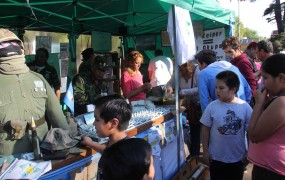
[241, 101]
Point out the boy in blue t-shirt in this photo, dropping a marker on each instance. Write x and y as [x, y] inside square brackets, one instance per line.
[225, 122]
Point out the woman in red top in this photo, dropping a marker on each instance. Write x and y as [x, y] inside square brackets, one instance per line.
[132, 80]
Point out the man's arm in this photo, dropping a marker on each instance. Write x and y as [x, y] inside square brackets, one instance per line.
[53, 110]
[87, 141]
[80, 96]
[247, 89]
[150, 70]
[55, 82]
[247, 72]
[57, 93]
[203, 91]
[205, 144]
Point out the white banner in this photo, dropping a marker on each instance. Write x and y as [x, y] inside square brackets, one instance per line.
[212, 39]
[185, 41]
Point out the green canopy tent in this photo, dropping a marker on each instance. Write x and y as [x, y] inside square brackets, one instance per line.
[118, 17]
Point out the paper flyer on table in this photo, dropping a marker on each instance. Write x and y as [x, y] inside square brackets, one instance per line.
[169, 131]
[154, 137]
[23, 169]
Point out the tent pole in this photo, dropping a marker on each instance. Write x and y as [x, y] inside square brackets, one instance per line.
[72, 54]
[177, 106]
[72, 36]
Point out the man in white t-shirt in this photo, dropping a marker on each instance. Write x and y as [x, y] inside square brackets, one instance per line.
[160, 70]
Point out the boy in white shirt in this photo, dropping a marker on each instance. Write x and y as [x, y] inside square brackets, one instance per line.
[225, 122]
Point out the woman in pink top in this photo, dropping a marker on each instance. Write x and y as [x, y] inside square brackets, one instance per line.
[267, 125]
[132, 80]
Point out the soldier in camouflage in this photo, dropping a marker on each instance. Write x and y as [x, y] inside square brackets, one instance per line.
[89, 85]
[23, 94]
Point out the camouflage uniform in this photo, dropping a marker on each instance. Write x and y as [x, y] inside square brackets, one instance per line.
[22, 97]
[49, 73]
[85, 91]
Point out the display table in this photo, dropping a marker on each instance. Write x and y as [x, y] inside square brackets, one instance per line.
[165, 163]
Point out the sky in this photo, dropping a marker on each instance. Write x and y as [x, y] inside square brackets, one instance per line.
[251, 15]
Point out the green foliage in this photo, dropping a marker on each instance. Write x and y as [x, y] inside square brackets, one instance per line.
[250, 34]
[238, 23]
[246, 32]
[275, 12]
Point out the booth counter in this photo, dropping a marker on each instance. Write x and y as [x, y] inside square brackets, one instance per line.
[84, 166]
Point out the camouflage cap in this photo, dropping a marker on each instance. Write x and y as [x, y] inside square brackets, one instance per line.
[6, 35]
[99, 63]
[58, 139]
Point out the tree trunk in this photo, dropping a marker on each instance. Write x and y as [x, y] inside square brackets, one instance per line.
[278, 16]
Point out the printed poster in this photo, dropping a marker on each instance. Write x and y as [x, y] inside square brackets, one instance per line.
[154, 138]
[43, 42]
[169, 127]
[212, 39]
[63, 54]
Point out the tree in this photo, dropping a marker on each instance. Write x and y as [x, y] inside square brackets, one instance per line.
[275, 10]
[250, 34]
[237, 26]
[278, 42]
[245, 32]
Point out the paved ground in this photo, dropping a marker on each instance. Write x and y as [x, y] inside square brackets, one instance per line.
[246, 176]
[247, 173]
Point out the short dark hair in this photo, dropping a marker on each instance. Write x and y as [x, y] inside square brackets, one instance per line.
[114, 106]
[158, 52]
[206, 56]
[127, 159]
[87, 53]
[274, 65]
[230, 78]
[265, 45]
[43, 50]
[231, 41]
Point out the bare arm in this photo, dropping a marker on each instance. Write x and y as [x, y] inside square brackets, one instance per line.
[205, 143]
[97, 147]
[144, 87]
[150, 70]
[57, 93]
[265, 123]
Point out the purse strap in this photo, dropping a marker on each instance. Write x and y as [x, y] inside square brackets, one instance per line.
[193, 76]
